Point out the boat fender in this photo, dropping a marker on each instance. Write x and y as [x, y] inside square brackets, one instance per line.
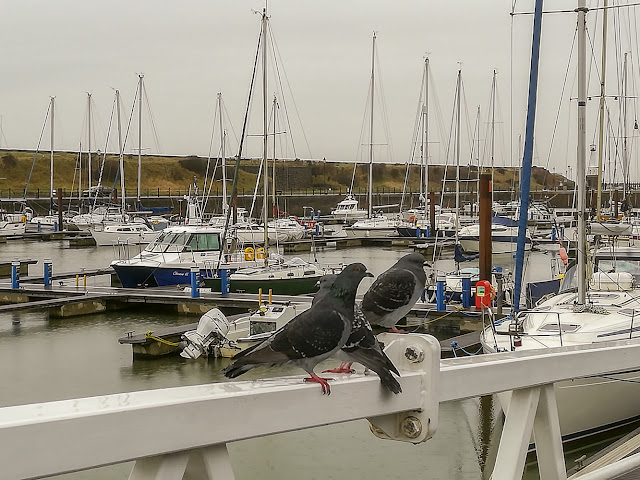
[249, 254]
[260, 253]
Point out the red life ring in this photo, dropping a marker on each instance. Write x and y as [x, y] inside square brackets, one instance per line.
[412, 219]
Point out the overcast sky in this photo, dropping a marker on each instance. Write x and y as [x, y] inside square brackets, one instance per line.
[189, 51]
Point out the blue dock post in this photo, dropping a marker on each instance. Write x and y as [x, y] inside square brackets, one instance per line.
[55, 226]
[39, 227]
[224, 281]
[47, 272]
[440, 307]
[195, 293]
[15, 274]
[427, 231]
[466, 290]
[417, 231]
[317, 229]
[553, 234]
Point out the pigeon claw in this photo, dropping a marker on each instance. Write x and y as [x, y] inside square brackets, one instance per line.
[343, 368]
[396, 330]
[322, 381]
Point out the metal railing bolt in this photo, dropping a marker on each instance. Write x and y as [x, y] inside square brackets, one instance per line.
[414, 354]
[411, 427]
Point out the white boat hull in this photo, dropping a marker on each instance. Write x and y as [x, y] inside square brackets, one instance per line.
[11, 229]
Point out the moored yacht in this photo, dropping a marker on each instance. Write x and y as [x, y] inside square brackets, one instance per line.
[585, 405]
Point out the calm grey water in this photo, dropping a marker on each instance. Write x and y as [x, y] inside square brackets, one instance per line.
[44, 359]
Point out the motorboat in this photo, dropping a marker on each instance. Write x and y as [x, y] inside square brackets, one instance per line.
[446, 226]
[169, 258]
[378, 225]
[129, 233]
[216, 336]
[10, 226]
[504, 235]
[102, 215]
[347, 209]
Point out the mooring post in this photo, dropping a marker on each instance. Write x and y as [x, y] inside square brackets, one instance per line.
[553, 234]
[15, 274]
[417, 231]
[224, 281]
[432, 212]
[466, 290]
[440, 293]
[47, 272]
[195, 293]
[484, 259]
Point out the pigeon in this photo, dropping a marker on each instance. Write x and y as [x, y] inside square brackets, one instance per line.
[312, 336]
[362, 346]
[394, 293]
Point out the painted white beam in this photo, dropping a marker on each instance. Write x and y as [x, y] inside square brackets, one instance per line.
[469, 377]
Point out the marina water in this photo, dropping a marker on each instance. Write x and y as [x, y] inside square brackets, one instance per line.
[43, 359]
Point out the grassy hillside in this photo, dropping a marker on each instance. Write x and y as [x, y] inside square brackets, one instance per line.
[177, 173]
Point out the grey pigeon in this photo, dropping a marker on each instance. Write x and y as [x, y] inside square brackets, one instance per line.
[312, 336]
[362, 345]
[394, 293]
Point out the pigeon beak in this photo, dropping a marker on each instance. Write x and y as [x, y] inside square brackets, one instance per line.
[426, 264]
[368, 274]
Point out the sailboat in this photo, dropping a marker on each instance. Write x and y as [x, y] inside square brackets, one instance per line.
[375, 223]
[295, 276]
[594, 305]
[50, 220]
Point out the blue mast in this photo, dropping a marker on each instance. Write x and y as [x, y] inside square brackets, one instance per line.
[525, 176]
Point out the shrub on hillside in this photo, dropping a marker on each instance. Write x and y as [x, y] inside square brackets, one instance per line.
[9, 161]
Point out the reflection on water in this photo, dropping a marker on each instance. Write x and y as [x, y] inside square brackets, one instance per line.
[44, 359]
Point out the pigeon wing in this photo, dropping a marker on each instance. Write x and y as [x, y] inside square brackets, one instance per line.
[391, 290]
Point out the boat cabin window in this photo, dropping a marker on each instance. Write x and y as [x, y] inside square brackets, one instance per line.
[203, 242]
[258, 327]
[564, 327]
[620, 265]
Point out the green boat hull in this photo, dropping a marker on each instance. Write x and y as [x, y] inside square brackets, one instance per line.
[285, 286]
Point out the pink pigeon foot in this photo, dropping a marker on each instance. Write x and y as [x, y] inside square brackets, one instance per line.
[396, 330]
[322, 381]
[343, 368]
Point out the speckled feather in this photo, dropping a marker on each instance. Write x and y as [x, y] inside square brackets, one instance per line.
[394, 293]
[362, 346]
[313, 335]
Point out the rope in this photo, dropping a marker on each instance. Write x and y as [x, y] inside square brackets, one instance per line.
[161, 340]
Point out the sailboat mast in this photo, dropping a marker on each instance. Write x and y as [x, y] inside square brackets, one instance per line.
[140, 77]
[601, 132]
[527, 158]
[89, 140]
[122, 191]
[265, 133]
[625, 158]
[425, 137]
[458, 87]
[223, 134]
[581, 159]
[373, 89]
[273, 171]
[493, 129]
[53, 102]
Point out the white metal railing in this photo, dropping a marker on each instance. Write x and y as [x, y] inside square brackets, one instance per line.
[80, 434]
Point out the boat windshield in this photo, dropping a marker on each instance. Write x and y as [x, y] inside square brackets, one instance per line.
[570, 279]
[168, 242]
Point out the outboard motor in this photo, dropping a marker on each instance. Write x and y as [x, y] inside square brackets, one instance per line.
[212, 330]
